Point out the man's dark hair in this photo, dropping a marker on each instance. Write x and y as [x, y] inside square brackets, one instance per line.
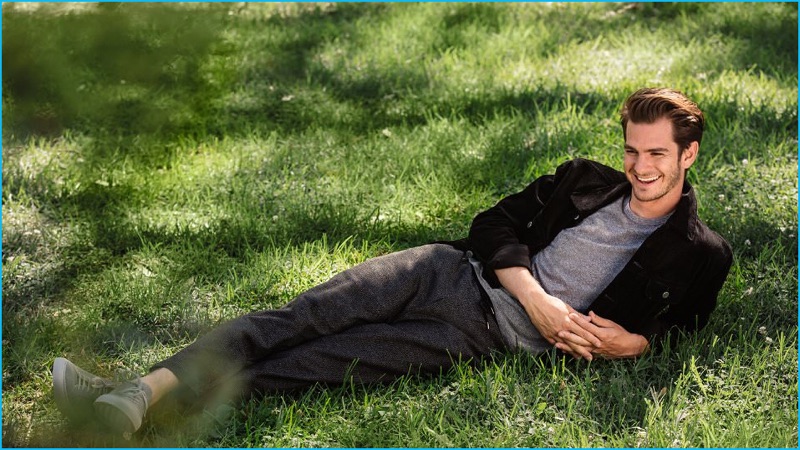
[651, 104]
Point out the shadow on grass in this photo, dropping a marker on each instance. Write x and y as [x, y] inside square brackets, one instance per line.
[177, 98]
[104, 55]
[286, 60]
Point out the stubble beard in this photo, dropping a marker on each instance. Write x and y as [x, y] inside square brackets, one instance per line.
[671, 180]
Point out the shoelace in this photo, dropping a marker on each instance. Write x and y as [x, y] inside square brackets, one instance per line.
[93, 383]
[134, 391]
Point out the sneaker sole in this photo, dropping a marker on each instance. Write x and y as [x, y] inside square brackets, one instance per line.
[60, 389]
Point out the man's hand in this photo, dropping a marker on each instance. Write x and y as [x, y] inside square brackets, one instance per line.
[613, 341]
[550, 315]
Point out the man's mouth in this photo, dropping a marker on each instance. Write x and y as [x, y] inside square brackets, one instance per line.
[647, 179]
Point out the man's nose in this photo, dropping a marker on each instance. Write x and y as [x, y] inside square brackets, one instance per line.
[642, 164]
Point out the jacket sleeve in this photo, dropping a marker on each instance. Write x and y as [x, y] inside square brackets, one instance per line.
[496, 234]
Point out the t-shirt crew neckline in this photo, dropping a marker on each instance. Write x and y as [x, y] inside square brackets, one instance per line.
[632, 216]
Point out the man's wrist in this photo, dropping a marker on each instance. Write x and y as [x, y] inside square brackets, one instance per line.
[645, 345]
[639, 346]
[533, 299]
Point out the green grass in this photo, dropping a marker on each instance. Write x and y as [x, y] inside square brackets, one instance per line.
[164, 171]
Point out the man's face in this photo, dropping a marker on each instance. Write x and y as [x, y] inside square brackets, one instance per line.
[655, 167]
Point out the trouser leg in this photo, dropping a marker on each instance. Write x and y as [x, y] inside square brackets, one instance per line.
[402, 286]
[371, 353]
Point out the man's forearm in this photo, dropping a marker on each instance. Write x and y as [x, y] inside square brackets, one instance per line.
[521, 284]
[548, 314]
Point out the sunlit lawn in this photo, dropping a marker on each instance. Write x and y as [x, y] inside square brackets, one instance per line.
[169, 167]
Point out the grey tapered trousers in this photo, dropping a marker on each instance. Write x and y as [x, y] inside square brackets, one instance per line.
[417, 311]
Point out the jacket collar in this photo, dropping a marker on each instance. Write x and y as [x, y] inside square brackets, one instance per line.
[684, 220]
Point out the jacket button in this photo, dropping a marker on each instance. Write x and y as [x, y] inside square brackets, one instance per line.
[530, 224]
[665, 294]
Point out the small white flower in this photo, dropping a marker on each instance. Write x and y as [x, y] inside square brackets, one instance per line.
[721, 197]
[745, 162]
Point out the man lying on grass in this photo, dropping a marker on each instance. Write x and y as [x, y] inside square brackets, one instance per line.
[593, 261]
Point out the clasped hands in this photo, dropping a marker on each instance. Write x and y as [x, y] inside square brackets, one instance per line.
[585, 336]
[582, 336]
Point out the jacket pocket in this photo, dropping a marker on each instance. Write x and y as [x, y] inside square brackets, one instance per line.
[662, 296]
[636, 298]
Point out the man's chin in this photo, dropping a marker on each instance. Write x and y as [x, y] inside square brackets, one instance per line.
[646, 197]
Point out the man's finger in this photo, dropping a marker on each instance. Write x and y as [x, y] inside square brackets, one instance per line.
[576, 344]
[566, 349]
[575, 351]
[585, 329]
[570, 337]
[600, 321]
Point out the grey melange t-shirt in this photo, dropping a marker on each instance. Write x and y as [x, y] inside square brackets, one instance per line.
[576, 267]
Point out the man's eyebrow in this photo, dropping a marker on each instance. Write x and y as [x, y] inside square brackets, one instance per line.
[649, 150]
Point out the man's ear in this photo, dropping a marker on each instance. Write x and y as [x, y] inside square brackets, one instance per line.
[689, 155]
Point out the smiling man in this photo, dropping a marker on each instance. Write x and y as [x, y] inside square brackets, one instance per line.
[590, 260]
[627, 247]
[655, 165]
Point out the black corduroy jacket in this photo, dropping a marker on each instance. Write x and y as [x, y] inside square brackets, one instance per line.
[673, 279]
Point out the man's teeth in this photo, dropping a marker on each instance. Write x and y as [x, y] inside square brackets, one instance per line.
[647, 180]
